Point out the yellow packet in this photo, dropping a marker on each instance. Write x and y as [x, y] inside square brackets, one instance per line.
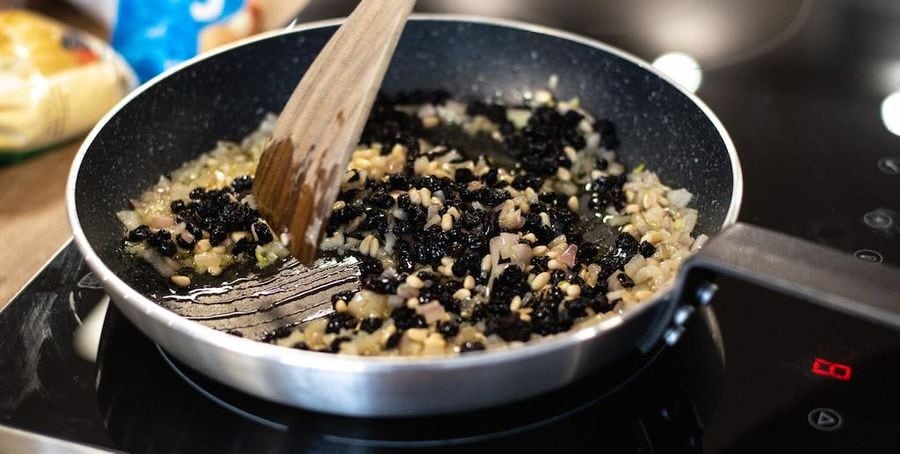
[55, 82]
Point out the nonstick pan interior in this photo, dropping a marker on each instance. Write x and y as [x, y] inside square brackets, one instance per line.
[227, 95]
[224, 96]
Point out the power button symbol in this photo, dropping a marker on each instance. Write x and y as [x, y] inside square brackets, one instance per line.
[825, 419]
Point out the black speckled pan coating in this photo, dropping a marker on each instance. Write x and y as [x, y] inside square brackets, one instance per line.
[227, 95]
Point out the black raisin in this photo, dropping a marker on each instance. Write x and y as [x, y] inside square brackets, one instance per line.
[140, 233]
[406, 318]
[376, 222]
[601, 305]
[186, 240]
[627, 243]
[463, 175]
[398, 182]
[448, 329]
[242, 184]
[607, 130]
[572, 118]
[277, 333]
[244, 245]
[490, 177]
[625, 280]
[336, 344]
[162, 242]
[262, 233]
[339, 320]
[370, 325]
[524, 181]
[557, 276]
[370, 267]
[540, 263]
[194, 230]
[177, 206]
[578, 307]
[381, 285]
[587, 252]
[345, 215]
[509, 327]
[197, 193]
[345, 295]
[217, 235]
[428, 252]
[646, 249]
[511, 282]
[394, 340]
[381, 200]
[469, 220]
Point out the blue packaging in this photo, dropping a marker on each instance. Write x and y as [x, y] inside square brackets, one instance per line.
[154, 35]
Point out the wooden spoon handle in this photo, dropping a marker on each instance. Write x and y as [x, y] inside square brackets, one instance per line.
[299, 173]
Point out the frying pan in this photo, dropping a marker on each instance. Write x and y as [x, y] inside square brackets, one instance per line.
[224, 95]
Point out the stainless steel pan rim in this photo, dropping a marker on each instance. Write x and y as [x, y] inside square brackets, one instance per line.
[124, 294]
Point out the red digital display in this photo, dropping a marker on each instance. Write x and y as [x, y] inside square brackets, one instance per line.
[829, 369]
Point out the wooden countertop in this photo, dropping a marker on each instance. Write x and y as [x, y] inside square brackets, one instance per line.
[33, 210]
[33, 224]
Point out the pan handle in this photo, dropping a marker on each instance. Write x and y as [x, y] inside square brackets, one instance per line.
[788, 265]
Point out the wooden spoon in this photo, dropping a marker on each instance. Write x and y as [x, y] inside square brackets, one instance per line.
[299, 173]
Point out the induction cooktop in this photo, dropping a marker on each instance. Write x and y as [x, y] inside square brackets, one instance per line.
[809, 93]
[758, 372]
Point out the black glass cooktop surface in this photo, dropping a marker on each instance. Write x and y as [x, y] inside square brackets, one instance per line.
[794, 376]
[807, 92]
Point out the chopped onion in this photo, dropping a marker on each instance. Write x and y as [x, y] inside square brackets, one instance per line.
[432, 311]
[405, 291]
[592, 140]
[250, 201]
[161, 222]
[426, 110]
[521, 255]
[433, 210]
[617, 220]
[614, 295]
[690, 221]
[389, 240]
[568, 256]
[612, 283]
[699, 242]
[518, 117]
[208, 259]
[130, 218]
[496, 270]
[635, 264]
[501, 247]
[279, 250]
[162, 266]
[679, 198]
[179, 191]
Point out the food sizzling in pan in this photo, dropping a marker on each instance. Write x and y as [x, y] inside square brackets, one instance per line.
[459, 250]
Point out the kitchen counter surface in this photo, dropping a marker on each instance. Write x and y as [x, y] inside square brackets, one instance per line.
[33, 223]
[33, 213]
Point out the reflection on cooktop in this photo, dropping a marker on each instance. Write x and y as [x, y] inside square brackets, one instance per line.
[644, 401]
